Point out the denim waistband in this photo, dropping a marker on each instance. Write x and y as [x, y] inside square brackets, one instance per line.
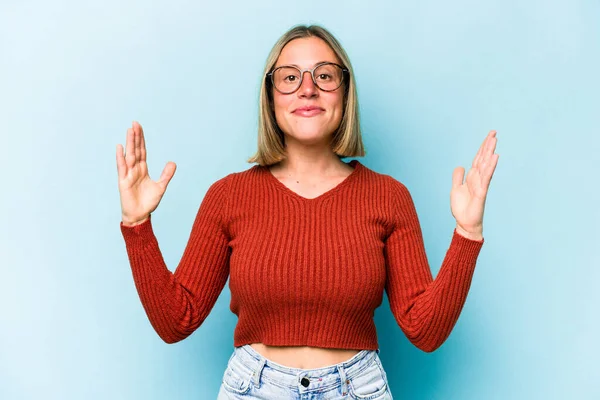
[253, 362]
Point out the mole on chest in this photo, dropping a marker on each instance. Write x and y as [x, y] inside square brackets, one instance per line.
[310, 190]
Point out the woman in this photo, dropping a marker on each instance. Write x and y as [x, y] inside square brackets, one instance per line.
[308, 242]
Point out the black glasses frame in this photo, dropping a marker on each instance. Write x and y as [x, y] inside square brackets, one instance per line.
[345, 72]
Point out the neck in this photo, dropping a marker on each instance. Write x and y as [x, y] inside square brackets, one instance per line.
[310, 164]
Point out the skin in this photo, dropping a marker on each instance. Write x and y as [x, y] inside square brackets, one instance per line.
[310, 169]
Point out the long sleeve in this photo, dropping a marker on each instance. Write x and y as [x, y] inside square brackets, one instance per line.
[425, 309]
[177, 303]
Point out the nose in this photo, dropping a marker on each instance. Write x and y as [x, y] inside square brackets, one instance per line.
[308, 88]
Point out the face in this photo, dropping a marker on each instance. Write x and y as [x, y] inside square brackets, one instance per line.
[314, 126]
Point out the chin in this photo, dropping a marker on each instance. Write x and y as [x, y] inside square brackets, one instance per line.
[310, 137]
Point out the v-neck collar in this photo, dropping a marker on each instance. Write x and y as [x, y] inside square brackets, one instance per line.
[283, 188]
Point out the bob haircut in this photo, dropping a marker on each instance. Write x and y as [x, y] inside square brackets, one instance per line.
[346, 140]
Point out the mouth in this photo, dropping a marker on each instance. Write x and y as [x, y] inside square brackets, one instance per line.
[308, 111]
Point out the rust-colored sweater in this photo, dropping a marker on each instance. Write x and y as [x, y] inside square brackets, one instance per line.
[304, 271]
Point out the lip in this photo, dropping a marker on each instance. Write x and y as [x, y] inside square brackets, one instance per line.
[308, 111]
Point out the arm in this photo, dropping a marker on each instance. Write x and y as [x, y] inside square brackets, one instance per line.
[177, 303]
[425, 309]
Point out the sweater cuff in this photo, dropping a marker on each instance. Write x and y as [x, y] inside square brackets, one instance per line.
[465, 247]
[138, 234]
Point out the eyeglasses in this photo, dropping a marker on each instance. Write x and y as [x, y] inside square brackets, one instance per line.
[326, 76]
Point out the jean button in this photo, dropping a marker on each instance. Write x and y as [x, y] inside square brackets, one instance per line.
[304, 382]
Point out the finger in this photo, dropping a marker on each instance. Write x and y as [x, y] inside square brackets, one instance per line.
[489, 173]
[482, 149]
[492, 145]
[142, 143]
[457, 177]
[136, 129]
[130, 150]
[478, 155]
[121, 165]
[486, 157]
[167, 174]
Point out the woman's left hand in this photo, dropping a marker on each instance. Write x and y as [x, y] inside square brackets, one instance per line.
[467, 200]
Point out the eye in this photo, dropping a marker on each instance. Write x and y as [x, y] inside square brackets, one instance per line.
[323, 77]
[290, 78]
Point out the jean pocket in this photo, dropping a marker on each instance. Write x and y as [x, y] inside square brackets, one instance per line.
[237, 377]
[369, 384]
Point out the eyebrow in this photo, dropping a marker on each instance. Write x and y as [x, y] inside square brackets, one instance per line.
[297, 66]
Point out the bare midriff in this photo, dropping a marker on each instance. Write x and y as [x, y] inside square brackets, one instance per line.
[304, 357]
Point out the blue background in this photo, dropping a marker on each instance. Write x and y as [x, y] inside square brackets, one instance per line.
[433, 78]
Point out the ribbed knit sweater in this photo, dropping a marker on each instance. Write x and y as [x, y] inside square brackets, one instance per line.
[304, 271]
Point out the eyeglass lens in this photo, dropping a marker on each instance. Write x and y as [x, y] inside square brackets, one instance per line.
[327, 77]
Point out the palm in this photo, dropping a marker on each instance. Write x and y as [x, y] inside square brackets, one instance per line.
[139, 191]
[467, 200]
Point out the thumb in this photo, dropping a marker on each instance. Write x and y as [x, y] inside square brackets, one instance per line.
[457, 177]
[167, 174]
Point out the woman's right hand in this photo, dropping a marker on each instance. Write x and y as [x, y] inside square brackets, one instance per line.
[140, 195]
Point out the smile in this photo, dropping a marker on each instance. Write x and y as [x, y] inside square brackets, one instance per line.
[308, 113]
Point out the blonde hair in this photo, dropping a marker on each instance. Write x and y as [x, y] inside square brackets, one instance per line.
[346, 141]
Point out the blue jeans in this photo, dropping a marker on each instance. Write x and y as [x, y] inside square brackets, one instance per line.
[249, 375]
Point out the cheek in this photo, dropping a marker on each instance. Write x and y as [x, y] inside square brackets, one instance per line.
[338, 106]
[281, 101]
[280, 104]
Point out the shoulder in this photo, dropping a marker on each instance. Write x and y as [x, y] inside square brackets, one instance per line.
[394, 194]
[387, 182]
[248, 173]
[234, 180]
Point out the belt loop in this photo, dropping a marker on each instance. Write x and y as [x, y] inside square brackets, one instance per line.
[343, 379]
[258, 371]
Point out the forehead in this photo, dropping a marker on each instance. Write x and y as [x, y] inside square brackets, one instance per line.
[306, 52]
